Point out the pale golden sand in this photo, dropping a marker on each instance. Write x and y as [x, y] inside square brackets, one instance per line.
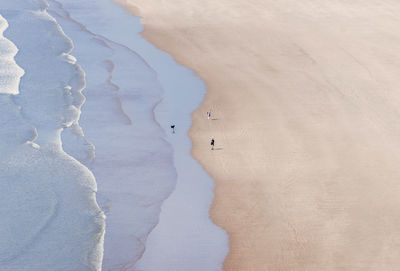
[307, 100]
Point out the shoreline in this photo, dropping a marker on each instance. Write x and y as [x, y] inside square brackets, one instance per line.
[198, 243]
[196, 115]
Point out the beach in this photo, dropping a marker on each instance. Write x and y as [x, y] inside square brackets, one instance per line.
[106, 161]
[305, 115]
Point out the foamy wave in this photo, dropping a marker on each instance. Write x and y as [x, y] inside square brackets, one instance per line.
[50, 218]
[10, 72]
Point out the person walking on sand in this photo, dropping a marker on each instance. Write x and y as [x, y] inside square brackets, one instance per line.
[212, 143]
[209, 114]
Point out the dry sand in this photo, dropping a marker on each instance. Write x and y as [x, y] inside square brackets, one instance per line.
[306, 101]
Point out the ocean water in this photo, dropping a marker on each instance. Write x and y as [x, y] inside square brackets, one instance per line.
[50, 217]
[91, 176]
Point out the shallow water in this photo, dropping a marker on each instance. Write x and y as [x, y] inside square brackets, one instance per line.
[132, 161]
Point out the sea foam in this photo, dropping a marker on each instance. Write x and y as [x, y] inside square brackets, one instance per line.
[10, 72]
[50, 218]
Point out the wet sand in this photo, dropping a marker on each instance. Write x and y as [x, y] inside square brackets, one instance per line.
[305, 100]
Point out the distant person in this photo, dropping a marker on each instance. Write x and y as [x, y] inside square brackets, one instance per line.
[212, 143]
[209, 114]
[173, 129]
